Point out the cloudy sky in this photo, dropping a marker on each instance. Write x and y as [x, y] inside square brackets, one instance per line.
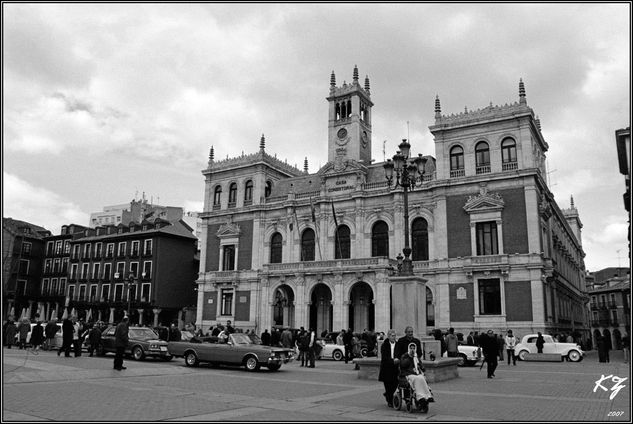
[104, 102]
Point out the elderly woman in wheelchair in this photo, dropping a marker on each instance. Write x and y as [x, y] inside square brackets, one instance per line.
[412, 386]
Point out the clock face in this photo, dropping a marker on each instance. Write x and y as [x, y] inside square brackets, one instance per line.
[342, 133]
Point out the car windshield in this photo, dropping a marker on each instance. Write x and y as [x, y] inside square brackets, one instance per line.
[241, 338]
[142, 334]
[186, 335]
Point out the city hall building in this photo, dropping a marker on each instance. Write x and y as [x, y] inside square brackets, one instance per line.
[284, 247]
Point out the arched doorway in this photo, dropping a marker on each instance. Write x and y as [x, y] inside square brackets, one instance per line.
[361, 308]
[321, 308]
[283, 307]
[430, 308]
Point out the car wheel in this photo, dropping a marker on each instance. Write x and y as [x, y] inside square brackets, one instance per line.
[191, 359]
[337, 355]
[397, 400]
[462, 360]
[523, 354]
[409, 407]
[574, 356]
[137, 353]
[251, 363]
[363, 352]
[274, 367]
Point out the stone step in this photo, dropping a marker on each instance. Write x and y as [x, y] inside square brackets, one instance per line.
[544, 357]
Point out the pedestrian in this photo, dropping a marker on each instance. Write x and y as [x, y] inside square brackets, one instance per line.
[49, 331]
[217, 330]
[451, 344]
[389, 366]
[490, 349]
[76, 337]
[626, 348]
[174, 333]
[37, 334]
[603, 349]
[303, 346]
[501, 341]
[312, 348]
[286, 338]
[121, 339]
[412, 369]
[67, 337]
[470, 341]
[23, 330]
[9, 331]
[540, 342]
[356, 345]
[511, 343]
[339, 338]
[402, 345]
[476, 338]
[347, 341]
[95, 339]
[229, 328]
[265, 337]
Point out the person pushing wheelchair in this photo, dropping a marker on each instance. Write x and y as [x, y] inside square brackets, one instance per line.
[411, 368]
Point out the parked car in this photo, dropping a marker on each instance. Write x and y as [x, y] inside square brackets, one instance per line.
[329, 342]
[57, 341]
[571, 351]
[331, 350]
[143, 342]
[469, 355]
[238, 349]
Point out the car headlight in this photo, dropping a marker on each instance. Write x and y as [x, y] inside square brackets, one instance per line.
[153, 346]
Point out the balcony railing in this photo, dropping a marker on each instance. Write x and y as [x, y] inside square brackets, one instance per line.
[457, 173]
[509, 166]
[483, 169]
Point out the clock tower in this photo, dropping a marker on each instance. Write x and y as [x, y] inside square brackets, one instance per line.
[349, 123]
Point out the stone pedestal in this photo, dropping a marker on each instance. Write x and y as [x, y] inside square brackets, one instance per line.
[408, 304]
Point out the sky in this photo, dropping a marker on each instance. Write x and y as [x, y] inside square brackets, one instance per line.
[106, 102]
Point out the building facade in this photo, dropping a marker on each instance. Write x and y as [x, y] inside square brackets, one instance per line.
[283, 247]
[610, 306]
[135, 211]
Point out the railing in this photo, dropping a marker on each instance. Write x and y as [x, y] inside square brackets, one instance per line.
[509, 166]
[457, 173]
[308, 194]
[483, 169]
[374, 185]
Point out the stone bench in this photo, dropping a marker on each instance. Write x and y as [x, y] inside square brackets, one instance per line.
[544, 357]
[438, 370]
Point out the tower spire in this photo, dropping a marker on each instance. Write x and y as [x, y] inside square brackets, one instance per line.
[332, 79]
[305, 165]
[211, 154]
[438, 109]
[521, 92]
[367, 84]
[572, 201]
[262, 143]
[355, 74]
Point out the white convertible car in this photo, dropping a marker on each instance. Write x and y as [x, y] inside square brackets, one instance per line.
[571, 351]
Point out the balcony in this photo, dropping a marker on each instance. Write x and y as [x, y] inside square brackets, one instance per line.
[483, 169]
[509, 166]
[455, 173]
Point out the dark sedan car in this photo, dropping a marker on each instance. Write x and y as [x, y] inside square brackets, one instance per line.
[143, 342]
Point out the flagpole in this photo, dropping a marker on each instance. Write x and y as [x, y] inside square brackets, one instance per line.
[316, 227]
[338, 241]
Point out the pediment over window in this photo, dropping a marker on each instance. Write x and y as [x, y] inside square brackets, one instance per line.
[228, 230]
[484, 202]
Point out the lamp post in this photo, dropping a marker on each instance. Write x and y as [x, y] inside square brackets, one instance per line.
[408, 173]
[128, 283]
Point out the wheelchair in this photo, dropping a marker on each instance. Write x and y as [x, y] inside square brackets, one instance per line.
[405, 393]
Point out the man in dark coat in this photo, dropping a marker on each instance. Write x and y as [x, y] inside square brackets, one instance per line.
[540, 342]
[389, 366]
[265, 337]
[67, 337]
[121, 339]
[348, 337]
[402, 346]
[490, 349]
[95, 339]
[37, 335]
[49, 331]
[9, 332]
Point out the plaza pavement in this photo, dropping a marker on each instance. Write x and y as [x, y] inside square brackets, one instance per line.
[46, 387]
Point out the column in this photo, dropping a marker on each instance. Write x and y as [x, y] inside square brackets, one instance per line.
[111, 319]
[408, 304]
[156, 312]
[140, 316]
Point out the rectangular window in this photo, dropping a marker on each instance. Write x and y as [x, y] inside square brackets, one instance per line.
[85, 271]
[134, 269]
[58, 247]
[76, 250]
[26, 247]
[145, 292]
[118, 292]
[229, 258]
[110, 250]
[105, 292]
[45, 286]
[147, 269]
[62, 286]
[66, 247]
[47, 266]
[87, 248]
[147, 247]
[120, 270]
[98, 250]
[121, 251]
[487, 238]
[82, 292]
[24, 267]
[57, 265]
[135, 248]
[96, 271]
[71, 291]
[49, 248]
[94, 289]
[107, 271]
[227, 302]
[489, 296]
[74, 270]
[132, 293]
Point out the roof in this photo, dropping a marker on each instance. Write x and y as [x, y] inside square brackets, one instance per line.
[15, 226]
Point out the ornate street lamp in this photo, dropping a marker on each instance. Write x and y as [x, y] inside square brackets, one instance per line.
[409, 173]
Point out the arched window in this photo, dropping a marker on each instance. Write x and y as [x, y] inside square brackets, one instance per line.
[307, 245]
[248, 191]
[457, 161]
[420, 240]
[232, 194]
[508, 151]
[217, 194]
[275, 248]
[482, 157]
[380, 239]
[268, 189]
[342, 242]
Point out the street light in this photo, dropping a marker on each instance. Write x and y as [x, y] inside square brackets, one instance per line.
[409, 173]
[128, 283]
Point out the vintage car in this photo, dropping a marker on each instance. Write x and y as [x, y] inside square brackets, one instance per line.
[570, 351]
[469, 355]
[143, 342]
[331, 350]
[238, 349]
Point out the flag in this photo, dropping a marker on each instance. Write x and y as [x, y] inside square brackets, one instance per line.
[338, 241]
[334, 215]
[312, 210]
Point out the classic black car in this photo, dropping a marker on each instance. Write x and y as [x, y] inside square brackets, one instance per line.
[143, 342]
[238, 349]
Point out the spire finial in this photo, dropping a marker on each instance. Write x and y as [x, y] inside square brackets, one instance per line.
[572, 201]
[438, 109]
[332, 80]
[262, 143]
[305, 165]
[366, 83]
[521, 91]
[211, 154]
[355, 74]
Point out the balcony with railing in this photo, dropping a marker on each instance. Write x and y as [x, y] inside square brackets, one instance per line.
[482, 169]
[456, 173]
[509, 166]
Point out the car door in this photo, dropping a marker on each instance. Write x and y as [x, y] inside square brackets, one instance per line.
[550, 345]
[107, 339]
[531, 344]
